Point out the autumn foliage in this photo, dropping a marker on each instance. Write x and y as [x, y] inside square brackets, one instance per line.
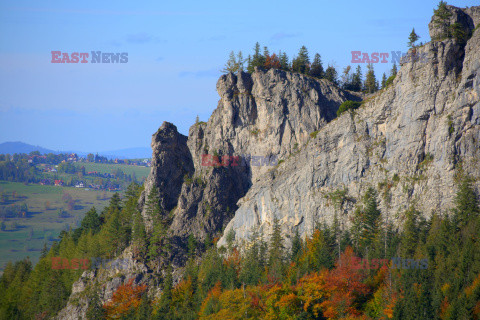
[126, 297]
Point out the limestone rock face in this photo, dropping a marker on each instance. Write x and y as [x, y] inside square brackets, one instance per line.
[406, 141]
[467, 19]
[103, 281]
[261, 117]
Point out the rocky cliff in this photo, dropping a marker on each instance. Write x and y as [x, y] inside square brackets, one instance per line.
[260, 117]
[408, 141]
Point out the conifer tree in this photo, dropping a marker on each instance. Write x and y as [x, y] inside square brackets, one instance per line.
[316, 70]
[393, 72]
[301, 63]
[139, 236]
[251, 269]
[356, 84]
[442, 19]
[276, 254]
[258, 60]
[346, 78]
[231, 65]
[331, 74]
[296, 247]
[152, 204]
[367, 221]
[284, 64]
[466, 203]
[371, 84]
[410, 234]
[230, 239]
[240, 61]
[412, 39]
[384, 81]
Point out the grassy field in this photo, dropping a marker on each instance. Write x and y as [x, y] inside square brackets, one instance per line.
[140, 172]
[43, 223]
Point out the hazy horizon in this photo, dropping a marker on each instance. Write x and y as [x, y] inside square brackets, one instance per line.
[175, 52]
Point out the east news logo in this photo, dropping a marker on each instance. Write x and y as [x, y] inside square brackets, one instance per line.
[82, 57]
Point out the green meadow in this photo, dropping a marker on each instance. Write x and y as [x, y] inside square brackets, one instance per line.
[48, 214]
[140, 172]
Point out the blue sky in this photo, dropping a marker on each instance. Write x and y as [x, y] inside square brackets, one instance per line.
[175, 52]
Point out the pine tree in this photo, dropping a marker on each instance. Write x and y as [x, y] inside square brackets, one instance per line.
[316, 70]
[466, 203]
[367, 221]
[240, 61]
[258, 60]
[356, 84]
[412, 39]
[230, 239]
[284, 65]
[393, 72]
[331, 74]
[442, 19]
[152, 204]
[251, 269]
[139, 235]
[231, 65]
[410, 234]
[296, 247]
[114, 205]
[371, 84]
[346, 78]
[384, 81]
[276, 254]
[301, 63]
[266, 53]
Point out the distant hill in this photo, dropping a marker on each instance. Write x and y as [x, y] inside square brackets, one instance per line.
[127, 153]
[21, 147]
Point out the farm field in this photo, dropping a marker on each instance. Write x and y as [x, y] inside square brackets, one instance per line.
[140, 172]
[49, 212]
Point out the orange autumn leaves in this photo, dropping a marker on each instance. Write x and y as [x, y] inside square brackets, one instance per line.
[334, 294]
[126, 297]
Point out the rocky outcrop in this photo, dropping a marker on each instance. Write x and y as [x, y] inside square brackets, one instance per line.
[171, 161]
[466, 19]
[407, 141]
[266, 115]
[103, 281]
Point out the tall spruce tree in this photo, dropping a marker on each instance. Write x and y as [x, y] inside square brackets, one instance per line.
[367, 222]
[284, 64]
[412, 38]
[316, 70]
[301, 63]
[384, 81]
[356, 84]
[276, 252]
[371, 84]
[331, 74]
[466, 203]
[258, 60]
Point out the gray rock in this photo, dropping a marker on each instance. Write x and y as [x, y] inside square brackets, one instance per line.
[407, 141]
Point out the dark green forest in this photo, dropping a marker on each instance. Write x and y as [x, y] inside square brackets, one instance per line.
[316, 278]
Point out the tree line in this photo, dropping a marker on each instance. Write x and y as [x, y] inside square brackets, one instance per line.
[348, 79]
[317, 277]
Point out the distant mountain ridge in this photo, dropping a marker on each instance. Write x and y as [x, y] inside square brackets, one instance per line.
[11, 147]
